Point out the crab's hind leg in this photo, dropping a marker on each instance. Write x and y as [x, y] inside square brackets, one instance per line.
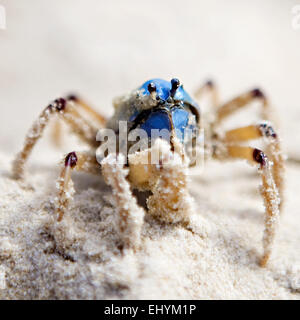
[130, 215]
[87, 109]
[78, 161]
[263, 130]
[67, 111]
[208, 88]
[242, 101]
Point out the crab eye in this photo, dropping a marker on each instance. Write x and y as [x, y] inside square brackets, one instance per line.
[151, 87]
[175, 83]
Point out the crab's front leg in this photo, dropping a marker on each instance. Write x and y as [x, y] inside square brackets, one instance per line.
[165, 174]
[74, 161]
[130, 216]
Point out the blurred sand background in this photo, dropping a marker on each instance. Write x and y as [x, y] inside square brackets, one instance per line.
[101, 49]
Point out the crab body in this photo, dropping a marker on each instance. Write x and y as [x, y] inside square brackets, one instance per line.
[157, 105]
[161, 109]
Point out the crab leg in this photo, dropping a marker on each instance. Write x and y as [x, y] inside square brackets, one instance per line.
[79, 161]
[82, 128]
[85, 110]
[266, 131]
[242, 101]
[268, 191]
[130, 215]
[208, 88]
[84, 106]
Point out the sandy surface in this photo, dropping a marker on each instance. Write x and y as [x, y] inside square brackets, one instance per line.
[103, 50]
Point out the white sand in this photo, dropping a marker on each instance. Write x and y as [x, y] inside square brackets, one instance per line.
[80, 259]
[104, 50]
